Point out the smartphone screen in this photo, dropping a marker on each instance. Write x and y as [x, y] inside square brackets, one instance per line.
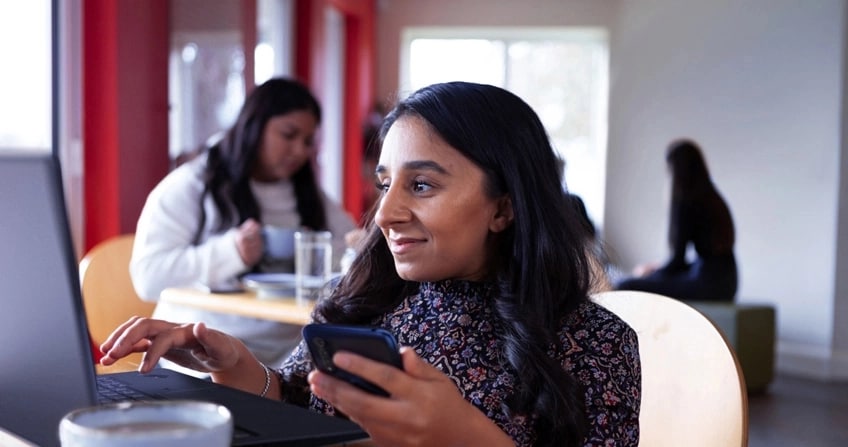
[324, 340]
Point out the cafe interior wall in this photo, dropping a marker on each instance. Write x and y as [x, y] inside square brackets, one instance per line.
[759, 83]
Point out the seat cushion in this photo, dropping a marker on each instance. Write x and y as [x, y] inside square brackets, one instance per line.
[750, 329]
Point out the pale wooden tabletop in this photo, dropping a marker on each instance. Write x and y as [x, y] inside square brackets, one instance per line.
[247, 304]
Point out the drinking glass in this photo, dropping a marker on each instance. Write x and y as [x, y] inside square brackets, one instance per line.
[313, 258]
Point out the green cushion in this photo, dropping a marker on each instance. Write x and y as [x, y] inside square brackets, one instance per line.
[750, 329]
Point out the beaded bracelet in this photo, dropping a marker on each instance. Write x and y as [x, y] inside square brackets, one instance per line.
[267, 380]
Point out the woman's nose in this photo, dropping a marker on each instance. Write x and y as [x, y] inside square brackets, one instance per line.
[302, 148]
[391, 209]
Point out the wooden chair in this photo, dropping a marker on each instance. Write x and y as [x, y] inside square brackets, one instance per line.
[108, 294]
[693, 390]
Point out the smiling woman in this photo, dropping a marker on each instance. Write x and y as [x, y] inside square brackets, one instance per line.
[477, 261]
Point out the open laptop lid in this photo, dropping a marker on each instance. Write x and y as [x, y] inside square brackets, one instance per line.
[44, 371]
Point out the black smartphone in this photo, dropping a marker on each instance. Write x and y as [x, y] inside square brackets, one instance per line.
[324, 340]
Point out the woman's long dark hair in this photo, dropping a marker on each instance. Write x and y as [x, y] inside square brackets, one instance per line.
[691, 186]
[689, 174]
[541, 270]
[230, 161]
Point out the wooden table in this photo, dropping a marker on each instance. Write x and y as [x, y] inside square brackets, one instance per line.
[246, 304]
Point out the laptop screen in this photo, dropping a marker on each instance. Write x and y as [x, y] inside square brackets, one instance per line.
[44, 371]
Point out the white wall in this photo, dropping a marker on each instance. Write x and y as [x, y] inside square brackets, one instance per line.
[759, 84]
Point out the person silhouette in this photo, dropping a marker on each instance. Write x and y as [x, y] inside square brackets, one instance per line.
[699, 216]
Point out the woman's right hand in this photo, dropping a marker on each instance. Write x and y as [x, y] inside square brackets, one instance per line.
[425, 406]
[642, 270]
[192, 345]
[249, 242]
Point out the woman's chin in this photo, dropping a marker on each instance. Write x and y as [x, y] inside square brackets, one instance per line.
[410, 273]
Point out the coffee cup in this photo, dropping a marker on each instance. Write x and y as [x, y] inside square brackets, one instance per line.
[161, 423]
[279, 242]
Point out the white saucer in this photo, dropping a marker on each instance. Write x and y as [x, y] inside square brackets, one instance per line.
[270, 285]
[280, 285]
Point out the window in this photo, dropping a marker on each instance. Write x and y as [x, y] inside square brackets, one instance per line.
[26, 113]
[561, 72]
[206, 70]
[206, 86]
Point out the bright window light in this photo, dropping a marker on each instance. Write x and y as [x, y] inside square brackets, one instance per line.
[25, 85]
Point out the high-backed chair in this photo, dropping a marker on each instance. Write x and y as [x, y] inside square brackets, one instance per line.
[693, 390]
[108, 294]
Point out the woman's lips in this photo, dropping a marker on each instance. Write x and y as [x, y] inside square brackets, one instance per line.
[403, 245]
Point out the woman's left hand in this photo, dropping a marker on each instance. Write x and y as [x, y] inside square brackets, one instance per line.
[425, 407]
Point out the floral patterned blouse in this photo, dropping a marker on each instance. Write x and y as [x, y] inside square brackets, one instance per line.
[451, 325]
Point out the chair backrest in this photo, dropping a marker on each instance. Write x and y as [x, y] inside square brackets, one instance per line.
[693, 391]
[107, 291]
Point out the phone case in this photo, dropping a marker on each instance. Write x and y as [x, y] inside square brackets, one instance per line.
[324, 340]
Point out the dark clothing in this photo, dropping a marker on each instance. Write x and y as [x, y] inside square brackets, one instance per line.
[705, 222]
[452, 325]
[712, 279]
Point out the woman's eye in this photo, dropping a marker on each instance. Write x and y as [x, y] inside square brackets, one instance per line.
[419, 186]
[382, 187]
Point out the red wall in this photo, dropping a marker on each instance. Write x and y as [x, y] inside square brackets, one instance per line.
[125, 111]
[360, 16]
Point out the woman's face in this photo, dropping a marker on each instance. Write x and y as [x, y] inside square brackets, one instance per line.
[433, 209]
[287, 143]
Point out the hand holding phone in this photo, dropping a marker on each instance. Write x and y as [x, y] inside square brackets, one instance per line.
[324, 340]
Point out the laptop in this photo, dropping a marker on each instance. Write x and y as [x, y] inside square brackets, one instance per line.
[46, 365]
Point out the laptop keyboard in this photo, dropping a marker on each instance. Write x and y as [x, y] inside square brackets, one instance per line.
[111, 390]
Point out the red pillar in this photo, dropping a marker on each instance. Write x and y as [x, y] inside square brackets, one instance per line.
[310, 53]
[125, 111]
[100, 120]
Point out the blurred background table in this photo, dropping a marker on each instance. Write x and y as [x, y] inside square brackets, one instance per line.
[246, 304]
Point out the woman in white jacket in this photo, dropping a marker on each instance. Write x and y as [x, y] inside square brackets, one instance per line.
[202, 224]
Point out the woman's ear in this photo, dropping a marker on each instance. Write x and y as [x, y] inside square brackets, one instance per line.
[503, 217]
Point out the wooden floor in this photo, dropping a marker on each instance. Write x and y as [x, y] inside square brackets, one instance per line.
[797, 412]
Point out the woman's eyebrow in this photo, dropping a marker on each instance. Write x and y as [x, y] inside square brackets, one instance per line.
[287, 128]
[416, 165]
